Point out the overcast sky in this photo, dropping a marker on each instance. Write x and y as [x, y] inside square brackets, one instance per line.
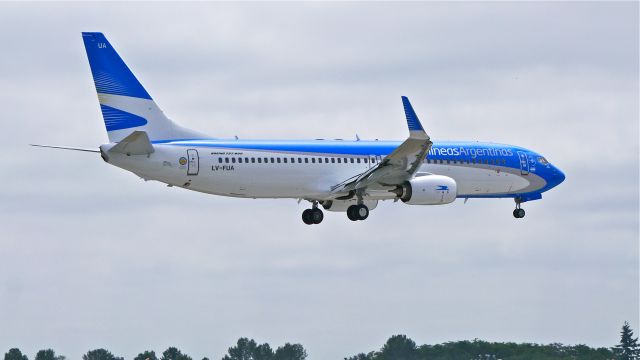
[91, 256]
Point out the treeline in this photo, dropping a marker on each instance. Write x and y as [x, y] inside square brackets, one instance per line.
[245, 349]
[401, 347]
[398, 347]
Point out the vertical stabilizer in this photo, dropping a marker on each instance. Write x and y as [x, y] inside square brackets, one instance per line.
[125, 104]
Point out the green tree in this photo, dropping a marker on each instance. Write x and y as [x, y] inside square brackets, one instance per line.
[263, 352]
[243, 350]
[173, 353]
[398, 347]
[99, 354]
[290, 352]
[362, 356]
[248, 349]
[628, 347]
[15, 354]
[147, 355]
[48, 354]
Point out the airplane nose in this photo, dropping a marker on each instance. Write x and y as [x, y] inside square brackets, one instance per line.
[559, 175]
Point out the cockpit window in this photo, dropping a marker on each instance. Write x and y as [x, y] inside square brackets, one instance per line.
[542, 160]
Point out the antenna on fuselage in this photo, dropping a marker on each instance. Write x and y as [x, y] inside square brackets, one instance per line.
[357, 137]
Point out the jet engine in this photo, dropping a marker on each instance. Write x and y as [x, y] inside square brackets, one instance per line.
[427, 190]
[342, 205]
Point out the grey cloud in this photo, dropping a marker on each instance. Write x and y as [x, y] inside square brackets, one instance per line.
[93, 256]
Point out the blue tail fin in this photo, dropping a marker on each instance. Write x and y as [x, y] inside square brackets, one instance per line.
[126, 105]
[110, 74]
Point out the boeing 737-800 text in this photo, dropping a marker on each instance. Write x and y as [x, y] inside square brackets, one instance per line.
[343, 176]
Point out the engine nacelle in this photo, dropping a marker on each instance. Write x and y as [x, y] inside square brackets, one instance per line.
[428, 190]
[342, 205]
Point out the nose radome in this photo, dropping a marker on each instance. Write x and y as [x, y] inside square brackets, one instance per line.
[559, 175]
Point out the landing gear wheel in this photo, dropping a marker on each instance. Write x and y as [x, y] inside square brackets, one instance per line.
[307, 217]
[316, 216]
[518, 213]
[352, 212]
[363, 212]
[357, 212]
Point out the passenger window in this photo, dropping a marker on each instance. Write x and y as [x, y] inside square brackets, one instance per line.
[333, 160]
[233, 160]
[266, 160]
[240, 160]
[299, 160]
[365, 160]
[326, 160]
[226, 160]
[339, 160]
[504, 161]
[246, 160]
[273, 160]
[448, 162]
[285, 160]
[259, 160]
[306, 160]
[313, 160]
[253, 160]
[352, 160]
[358, 160]
[278, 159]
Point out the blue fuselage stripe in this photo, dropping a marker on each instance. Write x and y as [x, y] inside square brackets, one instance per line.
[446, 150]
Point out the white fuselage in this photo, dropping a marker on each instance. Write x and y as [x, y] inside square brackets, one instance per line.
[249, 173]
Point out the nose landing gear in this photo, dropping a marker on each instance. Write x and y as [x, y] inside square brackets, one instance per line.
[518, 213]
[313, 215]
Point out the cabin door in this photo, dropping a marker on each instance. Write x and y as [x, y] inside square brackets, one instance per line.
[524, 163]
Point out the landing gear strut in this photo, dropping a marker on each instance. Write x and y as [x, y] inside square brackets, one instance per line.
[313, 215]
[518, 213]
[357, 212]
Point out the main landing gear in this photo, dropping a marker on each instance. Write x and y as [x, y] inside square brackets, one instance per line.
[313, 215]
[518, 213]
[357, 212]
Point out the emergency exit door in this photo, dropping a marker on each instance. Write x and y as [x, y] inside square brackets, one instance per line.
[193, 162]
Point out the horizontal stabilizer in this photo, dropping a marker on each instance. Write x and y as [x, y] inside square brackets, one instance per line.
[66, 148]
[137, 143]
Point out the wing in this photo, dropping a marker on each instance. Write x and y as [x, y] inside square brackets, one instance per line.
[399, 166]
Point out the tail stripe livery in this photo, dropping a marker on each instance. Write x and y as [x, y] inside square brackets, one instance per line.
[125, 104]
[116, 119]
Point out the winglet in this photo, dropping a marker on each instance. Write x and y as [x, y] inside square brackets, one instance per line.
[415, 127]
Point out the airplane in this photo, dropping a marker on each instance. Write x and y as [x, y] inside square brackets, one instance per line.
[338, 175]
